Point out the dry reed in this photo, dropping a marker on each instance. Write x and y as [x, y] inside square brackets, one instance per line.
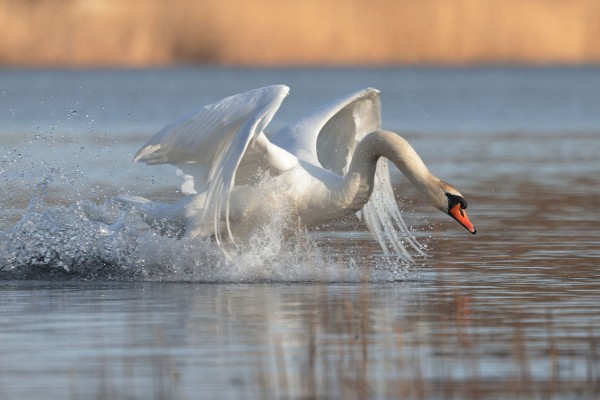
[293, 32]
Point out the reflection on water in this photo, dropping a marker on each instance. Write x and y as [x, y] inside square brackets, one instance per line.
[509, 313]
[412, 340]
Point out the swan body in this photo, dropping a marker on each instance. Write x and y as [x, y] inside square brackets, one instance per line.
[329, 164]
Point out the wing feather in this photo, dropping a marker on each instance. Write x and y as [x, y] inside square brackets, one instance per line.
[209, 144]
[328, 137]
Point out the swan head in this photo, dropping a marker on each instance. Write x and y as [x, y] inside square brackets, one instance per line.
[448, 200]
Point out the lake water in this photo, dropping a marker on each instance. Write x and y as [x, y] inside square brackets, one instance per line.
[95, 305]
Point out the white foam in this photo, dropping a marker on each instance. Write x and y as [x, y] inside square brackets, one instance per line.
[102, 241]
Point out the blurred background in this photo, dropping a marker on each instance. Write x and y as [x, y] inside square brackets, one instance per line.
[142, 33]
[499, 97]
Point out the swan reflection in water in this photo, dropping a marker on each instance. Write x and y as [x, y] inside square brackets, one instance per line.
[325, 166]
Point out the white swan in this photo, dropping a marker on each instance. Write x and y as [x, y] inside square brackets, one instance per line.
[321, 168]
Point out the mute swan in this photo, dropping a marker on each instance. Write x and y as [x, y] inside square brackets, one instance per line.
[320, 168]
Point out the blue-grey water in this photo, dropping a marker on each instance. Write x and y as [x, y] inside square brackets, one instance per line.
[95, 305]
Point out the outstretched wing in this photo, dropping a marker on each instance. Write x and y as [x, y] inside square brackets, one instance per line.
[328, 137]
[209, 144]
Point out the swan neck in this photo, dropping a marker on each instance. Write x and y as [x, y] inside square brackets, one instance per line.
[361, 173]
[396, 149]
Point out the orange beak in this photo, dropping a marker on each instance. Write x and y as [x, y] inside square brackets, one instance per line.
[459, 214]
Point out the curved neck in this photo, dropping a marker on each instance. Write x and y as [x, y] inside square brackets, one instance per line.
[358, 183]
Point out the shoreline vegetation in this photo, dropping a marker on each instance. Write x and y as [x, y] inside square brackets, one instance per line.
[143, 33]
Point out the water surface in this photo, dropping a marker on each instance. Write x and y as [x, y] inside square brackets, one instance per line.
[509, 313]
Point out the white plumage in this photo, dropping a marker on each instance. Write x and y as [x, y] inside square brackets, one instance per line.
[318, 169]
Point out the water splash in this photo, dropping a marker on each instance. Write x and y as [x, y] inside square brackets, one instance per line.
[92, 241]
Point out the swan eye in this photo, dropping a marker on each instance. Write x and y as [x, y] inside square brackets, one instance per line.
[454, 200]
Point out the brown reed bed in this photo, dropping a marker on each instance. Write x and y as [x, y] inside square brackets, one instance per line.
[309, 32]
